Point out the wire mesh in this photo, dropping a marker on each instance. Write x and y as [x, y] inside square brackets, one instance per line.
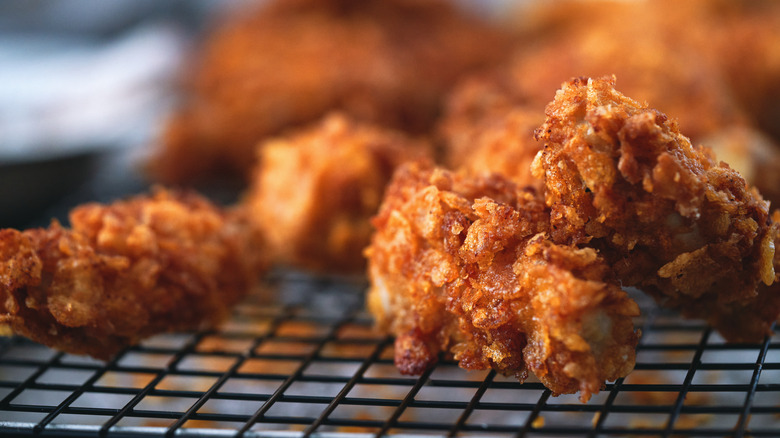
[300, 358]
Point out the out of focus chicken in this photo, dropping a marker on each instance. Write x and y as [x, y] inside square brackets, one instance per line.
[288, 62]
[482, 130]
[315, 190]
[489, 115]
[751, 153]
[125, 271]
[465, 266]
[740, 39]
[621, 178]
[734, 42]
[651, 69]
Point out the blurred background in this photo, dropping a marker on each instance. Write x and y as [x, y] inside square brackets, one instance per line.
[84, 87]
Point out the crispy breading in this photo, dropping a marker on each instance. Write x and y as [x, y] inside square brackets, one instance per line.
[288, 62]
[315, 190]
[465, 266]
[125, 271]
[621, 178]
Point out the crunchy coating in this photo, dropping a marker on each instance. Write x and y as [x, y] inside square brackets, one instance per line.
[288, 62]
[315, 190]
[464, 266]
[620, 177]
[125, 271]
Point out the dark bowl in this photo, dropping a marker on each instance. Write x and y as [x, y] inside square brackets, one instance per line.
[28, 187]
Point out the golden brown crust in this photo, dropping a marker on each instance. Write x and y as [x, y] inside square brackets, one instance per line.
[464, 266]
[125, 271]
[315, 190]
[620, 177]
[291, 61]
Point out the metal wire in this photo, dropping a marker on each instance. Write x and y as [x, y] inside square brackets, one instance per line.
[302, 359]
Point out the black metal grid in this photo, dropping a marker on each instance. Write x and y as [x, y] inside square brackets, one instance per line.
[300, 358]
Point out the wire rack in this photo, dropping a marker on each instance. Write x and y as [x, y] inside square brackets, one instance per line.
[300, 358]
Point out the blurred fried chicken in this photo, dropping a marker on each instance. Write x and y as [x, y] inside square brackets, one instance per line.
[465, 266]
[675, 79]
[289, 62]
[731, 42]
[315, 190]
[489, 115]
[751, 153]
[740, 39]
[485, 132]
[669, 219]
[125, 271]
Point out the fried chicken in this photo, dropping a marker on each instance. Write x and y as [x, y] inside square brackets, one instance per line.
[669, 219]
[484, 132]
[125, 271]
[315, 190]
[636, 41]
[465, 266]
[751, 153]
[289, 62]
[740, 39]
[489, 115]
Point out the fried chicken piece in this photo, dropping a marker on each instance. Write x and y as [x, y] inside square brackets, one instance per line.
[489, 116]
[630, 40]
[126, 271]
[751, 153]
[740, 38]
[289, 62]
[484, 132]
[465, 266]
[752, 65]
[315, 190]
[669, 219]
[733, 41]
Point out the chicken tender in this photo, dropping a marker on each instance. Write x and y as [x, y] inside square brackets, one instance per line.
[466, 267]
[126, 271]
[315, 191]
[669, 219]
[289, 62]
